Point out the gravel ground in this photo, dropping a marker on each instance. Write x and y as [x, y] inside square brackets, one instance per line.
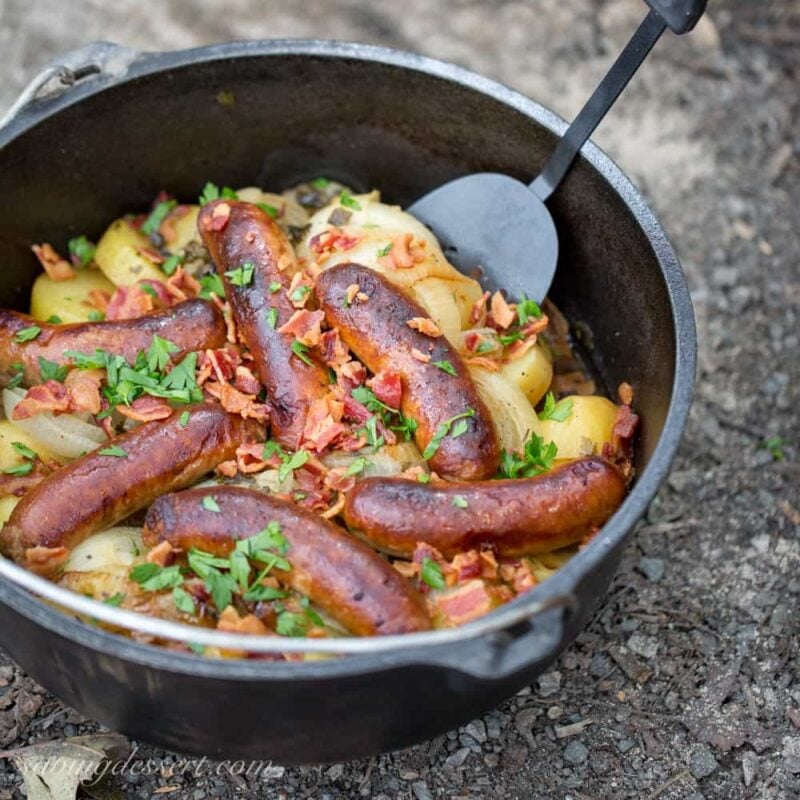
[685, 684]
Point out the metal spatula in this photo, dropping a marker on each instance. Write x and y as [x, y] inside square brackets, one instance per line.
[494, 221]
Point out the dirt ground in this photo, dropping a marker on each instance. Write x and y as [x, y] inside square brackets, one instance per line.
[685, 685]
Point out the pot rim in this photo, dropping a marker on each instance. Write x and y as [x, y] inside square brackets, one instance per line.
[562, 583]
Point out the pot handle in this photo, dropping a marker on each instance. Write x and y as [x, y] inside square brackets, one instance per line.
[98, 59]
[680, 15]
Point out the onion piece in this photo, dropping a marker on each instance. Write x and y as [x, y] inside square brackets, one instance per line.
[64, 435]
[388, 461]
[113, 551]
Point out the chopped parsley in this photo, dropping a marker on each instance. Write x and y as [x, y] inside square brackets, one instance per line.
[157, 216]
[445, 366]
[391, 417]
[154, 578]
[96, 316]
[431, 573]
[455, 426]
[526, 309]
[510, 338]
[115, 599]
[212, 192]
[148, 289]
[50, 371]
[27, 334]
[18, 470]
[54, 319]
[210, 504]
[301, 351]
[320, 183]
[115, 451]
[171, 264]
[272, 318]
[291, 463]
[183, 420]
[348, 201]
[371, 430]
[358, 466]
[536, 457]
[17, 375]
[81, 251]
[384, 251]
[24, 450]
[300, 293]
[242, 276]
[159, 352]
[559, 412]
[291, 624]
[183, 600]
[269, 210]
[459, 501]
[211, 284]
[275, 286]
[424, 477]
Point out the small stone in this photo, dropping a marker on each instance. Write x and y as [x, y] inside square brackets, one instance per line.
[421, 791]
[625, 744]
[600, 665]
[491, 760]
[652, 568]
[335, 772]
[749, 767]
[644, 646]
[575, 752]
[408, 774]
[477, 730]
[549, 683]
[791, 754]
[554, 712]
[702, 762]
[458, 758]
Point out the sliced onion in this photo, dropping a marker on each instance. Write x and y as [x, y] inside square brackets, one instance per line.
[112, 551]
[386, 462]
[64, 435]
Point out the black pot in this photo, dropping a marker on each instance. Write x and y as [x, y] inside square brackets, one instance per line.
[274, 113]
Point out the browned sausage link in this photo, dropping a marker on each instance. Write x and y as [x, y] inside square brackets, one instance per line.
[236, 234]
[191, 325]
[377, 331]
[97, 491]
[342, 575]
[517, 517]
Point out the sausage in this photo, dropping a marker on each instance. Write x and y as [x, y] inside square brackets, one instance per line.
[96, 491]
[191, 325]
[340, 574]
[238, 233]
[516, 517]
[377, 331]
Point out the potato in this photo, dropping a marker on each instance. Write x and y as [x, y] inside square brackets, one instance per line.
[513, 416]
[119, 254]
[112, 552]
[290, 212]
[532, 372]
[586, 429]
[67, 300]
[9, 433]
[6, 507]
[185, 229]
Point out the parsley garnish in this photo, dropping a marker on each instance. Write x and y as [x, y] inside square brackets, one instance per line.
[157, 216]
[272, 318]
[299, 293]
[153, 578]
[81, 251]
[358, 466]
[212, 192]
[526, 309]
[183, 600]
[96, 316]
[455, 426]
[390, 417]
[384, 251]
[459, 501]
[172, 263]
[291, 624]
[445, 366]
[291, 463]
[183, 421]
[115, 451]
[424, 477]
[348, 201]
[320, 183]
[536, 458]
[18, 470]
[54, 319]
[559, 411]
[211, 284]
[50, 371]
[301, 350]
[18, 373]
[268, 209]
[275, 286]
[27, 334]
[242, 276]
[158, 354]
[510, 338]
[431, 573]
[371, 430]
[24, 450]
[210, 504]
[148, 289]
[115, 599]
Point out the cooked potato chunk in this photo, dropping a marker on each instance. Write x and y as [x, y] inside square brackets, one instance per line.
[586, 429]
[121, 254]
[67, 300]
[532, 372]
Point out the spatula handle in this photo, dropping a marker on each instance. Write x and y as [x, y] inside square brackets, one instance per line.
[680, 15]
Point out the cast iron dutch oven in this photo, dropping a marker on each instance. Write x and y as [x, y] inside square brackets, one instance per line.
[104, 130]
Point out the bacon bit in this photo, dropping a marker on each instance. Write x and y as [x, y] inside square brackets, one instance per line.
[502, 313]
[236, 402]
[622, 433]
[162, 554]
[518, 349]
[57, 268]
[151, 255]
[249, 458]
[17, 485]
[350, 293]
[478, 312]
[229, 620]
[414, 472]
[83, 387]
[334, 353]
[44, 560]
[246, 382]
[423, 550]
[625, 393]
[129, 302]
[469, 601]
[489, 566]
[536, 326]
[332, 240]
[181, 285]
[99, 299]
[483, 361]
[404, 253]
[48, 396]
[322, 422]
[335, 509]
[305, 325]
[467, 565]
[146, 409]
[230, 323]
[224, 362]
[408, 569]
[300, 280]
[353, 373]
[354, 410]
[388, 387]
[424, 325]
[523, 578]
[228, 469]
[338, 480]
[219, 217]
[420, 356]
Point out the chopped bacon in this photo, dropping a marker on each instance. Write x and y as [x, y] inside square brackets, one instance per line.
[334, 353]
[502, 313]
[17, 485]
[334, 509]
[423, 550]
[468, 601]
[536, 325]
[478, 311]
[181, 285]
[518, 349]
[146, 409]
[403, 252]
[408, 569]
[231, 333]
[221, 362]
[99, 299]
[246, 382]
[250, 458]
[129, 302]
[305, 325]
[424, 325]
[483, 361]
[323, 424]
[625, 393]
[300, 289]
[219, 218]
[45, 560]
[338, 479]
[57, 268]
[162, 554]
[83, 387]
[228, 469]
[354, 410]
[489, 566]
[467, 565]
[520, 575]
[48, 396]
[388, 387]
[622, 434]
[229, 620]
[236, 402]
[352, 374]
[332, 240]
[420, 356]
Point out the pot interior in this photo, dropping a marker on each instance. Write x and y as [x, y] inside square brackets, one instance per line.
[277, 119]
